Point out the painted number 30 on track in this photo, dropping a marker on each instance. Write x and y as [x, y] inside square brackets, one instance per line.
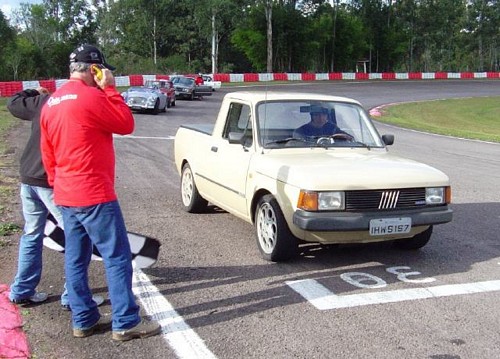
[323, 299]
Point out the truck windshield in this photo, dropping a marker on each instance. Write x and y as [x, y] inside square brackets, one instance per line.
[314, 124]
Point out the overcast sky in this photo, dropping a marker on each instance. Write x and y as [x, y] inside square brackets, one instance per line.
[8, 5]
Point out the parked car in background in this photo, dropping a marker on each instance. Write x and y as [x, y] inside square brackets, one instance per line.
[145, 99]
[185, 87]
[165, 86]
[209, 81]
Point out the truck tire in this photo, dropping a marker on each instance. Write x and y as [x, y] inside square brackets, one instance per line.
[275, 241]
[191, 199]
[416, 242]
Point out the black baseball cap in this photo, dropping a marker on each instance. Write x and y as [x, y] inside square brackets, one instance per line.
[89, 54]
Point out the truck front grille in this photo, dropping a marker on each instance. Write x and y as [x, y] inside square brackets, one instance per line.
[374, 200]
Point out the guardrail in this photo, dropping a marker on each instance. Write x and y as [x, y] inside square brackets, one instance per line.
[9, 88]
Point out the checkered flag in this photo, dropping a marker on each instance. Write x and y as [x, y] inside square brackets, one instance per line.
[144, 249]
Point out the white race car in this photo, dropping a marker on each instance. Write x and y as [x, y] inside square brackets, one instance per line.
[145, 99]
[208, 80]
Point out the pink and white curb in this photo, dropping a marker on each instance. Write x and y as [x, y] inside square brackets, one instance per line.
[13, 341]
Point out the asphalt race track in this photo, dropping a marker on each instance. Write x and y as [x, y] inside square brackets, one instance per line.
[217, 298]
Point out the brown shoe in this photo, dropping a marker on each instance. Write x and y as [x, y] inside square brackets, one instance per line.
[142, 330]
[101, 326]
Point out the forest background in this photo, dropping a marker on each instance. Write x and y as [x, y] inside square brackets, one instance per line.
[241, 36]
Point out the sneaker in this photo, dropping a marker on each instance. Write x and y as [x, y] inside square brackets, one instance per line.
[142, 330]
[38, 297]
[100, 326]
[98, 299]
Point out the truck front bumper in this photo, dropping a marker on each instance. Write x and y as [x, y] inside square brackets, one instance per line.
[348, 221]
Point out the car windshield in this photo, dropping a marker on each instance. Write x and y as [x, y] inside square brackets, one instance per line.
[185, 81]
[157, 84]
[314, 124]
[139, 89]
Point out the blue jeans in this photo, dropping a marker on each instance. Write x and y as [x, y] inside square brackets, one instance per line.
[37, 202]
[103, 226]
[64, 296]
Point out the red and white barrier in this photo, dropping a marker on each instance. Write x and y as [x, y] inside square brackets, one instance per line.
[9, 88]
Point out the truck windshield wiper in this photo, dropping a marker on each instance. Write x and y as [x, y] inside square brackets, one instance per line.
[360, 144]
[286, 140]
[344, 140]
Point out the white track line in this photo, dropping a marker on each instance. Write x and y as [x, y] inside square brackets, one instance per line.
[323, 299]
[178, 334]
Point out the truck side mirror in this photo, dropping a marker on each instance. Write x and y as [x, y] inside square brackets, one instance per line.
[235, 137]
[388, 139]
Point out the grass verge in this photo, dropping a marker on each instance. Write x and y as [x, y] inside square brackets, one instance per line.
[473, 118]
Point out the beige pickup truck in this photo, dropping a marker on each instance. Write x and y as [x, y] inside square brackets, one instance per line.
[308, 168]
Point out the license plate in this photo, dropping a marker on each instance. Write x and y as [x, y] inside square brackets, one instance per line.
[385, 226]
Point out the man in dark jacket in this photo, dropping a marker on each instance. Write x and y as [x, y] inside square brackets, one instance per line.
[36, 198]
[37, 201]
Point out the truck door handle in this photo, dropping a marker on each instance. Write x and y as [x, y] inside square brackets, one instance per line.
[214, 149]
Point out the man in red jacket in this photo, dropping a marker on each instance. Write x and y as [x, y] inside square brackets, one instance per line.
[77, 127]
[199, 80]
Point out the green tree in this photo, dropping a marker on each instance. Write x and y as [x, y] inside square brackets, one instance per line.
[250, 37]
[483, 35]
[7, 38]
[74, 21]
[49, 32]
[151, 36]
[216, 20]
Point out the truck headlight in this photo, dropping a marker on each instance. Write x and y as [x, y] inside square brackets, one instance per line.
[321, 201]
[437, 195]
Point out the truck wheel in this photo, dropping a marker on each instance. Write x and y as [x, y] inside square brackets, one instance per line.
[274, 239]
[191, 98]
[191, 199]
[416, 242]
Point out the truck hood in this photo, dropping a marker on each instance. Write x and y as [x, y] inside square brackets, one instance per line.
[346, 169]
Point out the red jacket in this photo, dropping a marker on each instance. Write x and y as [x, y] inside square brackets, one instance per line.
[77, 126]
[199, 80]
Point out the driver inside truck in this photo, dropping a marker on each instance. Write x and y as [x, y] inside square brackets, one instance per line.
[322, 124]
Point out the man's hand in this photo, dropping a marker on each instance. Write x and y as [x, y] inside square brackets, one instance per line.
[43, 91]
[107, 79]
